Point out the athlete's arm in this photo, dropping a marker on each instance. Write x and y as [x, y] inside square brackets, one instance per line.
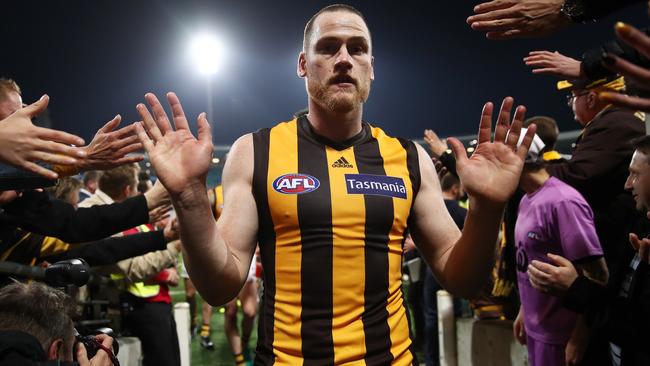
[237, 226]
[216, 259]
[462, 261]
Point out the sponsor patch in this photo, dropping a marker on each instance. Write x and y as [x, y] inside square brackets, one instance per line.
[380, 185]
[295, 183]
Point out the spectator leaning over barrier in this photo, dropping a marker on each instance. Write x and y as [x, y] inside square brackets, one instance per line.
[598, 165]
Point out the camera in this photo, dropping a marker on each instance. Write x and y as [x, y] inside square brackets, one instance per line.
[93, 345]
[60, 274]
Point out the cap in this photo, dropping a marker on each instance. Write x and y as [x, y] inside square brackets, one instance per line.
[616, 83]
[535, 151]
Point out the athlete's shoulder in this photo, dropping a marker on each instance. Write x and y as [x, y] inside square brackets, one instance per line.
[242, 145]
[279, 125]
[379, 133]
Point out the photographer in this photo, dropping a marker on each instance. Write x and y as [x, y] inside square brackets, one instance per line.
[36, 328]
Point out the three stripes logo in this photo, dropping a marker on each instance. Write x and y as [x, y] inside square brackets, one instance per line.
[342, 163]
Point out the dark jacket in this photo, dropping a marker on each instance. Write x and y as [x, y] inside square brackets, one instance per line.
[38, 213]
[598, 169]
[114, 249]
[19, 348]
[621, 317]
[596, 9]
[592, 64]
[12, 178]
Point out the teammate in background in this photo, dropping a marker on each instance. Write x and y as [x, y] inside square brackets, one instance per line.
[247, 298]
[206, 312]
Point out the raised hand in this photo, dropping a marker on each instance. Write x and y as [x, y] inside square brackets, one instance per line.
[180, 160]
[441, 169]
[109, 148]
[553, 278]
[506, 19]
[436, 145]
[492, 173]
[23, 145]
[641, 42]
[160, 213]
[553, 63]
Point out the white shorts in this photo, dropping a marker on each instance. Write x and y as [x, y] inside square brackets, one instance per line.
[253, 269]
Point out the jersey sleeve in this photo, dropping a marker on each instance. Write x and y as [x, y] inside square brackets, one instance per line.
[576, 230]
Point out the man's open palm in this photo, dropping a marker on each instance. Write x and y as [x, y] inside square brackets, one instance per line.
[179, 159]
[492, 172]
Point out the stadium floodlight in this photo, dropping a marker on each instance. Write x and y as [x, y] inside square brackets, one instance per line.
[206, 52]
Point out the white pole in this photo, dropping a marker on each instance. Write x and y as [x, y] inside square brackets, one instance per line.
[182, 318]
[446, 329]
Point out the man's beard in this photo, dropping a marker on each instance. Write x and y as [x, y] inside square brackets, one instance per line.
[338, 102]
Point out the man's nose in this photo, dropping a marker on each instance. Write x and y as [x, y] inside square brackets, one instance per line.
[628, 183]
[343, 58]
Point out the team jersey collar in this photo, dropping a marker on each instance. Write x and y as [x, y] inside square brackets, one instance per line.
[306, 128]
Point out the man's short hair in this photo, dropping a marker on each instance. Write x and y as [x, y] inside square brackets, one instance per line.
[112, 182]
[309, 27]
[448, 182]
[546, 130]
[642, 144]
[91, 175]
[6, 86]
[39, 310]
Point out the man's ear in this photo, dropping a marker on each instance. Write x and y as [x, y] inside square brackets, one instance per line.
[55, 352]
[302, 65]
[456, 190]
[592, 99]
[126, 192]
[372, 68]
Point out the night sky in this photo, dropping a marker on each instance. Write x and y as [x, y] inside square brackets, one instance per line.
[97, 58]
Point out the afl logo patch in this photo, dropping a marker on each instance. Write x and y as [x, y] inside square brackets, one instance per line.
[295, 184]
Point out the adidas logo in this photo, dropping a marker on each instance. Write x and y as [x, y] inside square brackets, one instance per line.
[342, 163]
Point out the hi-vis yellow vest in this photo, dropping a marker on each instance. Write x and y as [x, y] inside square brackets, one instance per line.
[139, 289]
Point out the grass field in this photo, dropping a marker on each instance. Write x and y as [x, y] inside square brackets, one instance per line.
[221, 355]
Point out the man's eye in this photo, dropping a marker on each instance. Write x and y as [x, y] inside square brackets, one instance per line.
[357, 50]
[329, 49]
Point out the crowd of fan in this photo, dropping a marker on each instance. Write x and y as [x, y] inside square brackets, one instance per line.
[572, 269]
